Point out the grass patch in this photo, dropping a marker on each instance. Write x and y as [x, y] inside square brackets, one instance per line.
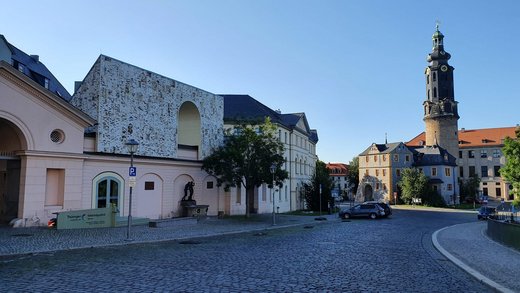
[463, 206]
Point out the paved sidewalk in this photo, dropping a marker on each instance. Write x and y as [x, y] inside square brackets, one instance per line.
[42, 239]
[468, 246]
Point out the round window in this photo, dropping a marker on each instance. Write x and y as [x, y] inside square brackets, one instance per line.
[57, 136]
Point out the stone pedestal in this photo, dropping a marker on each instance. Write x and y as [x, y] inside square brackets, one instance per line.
[190, 208]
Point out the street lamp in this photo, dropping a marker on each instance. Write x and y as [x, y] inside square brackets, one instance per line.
[132, 146]
[273, 170]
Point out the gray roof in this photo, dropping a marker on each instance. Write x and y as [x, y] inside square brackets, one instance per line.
[244, 108]
[36, 70]
[431, 156]
[385, 148]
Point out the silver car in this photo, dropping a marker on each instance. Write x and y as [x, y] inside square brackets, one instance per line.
[370, 210]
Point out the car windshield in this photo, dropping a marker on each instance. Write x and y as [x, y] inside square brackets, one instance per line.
[487, 210]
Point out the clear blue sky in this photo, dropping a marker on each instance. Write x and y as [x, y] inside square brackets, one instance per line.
[355, 67]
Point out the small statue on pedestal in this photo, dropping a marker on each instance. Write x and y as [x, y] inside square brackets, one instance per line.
[188, 188]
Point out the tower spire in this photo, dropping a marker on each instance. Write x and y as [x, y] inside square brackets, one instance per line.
[440, 107]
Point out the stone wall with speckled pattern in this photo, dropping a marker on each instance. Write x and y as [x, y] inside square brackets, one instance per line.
[130, 102]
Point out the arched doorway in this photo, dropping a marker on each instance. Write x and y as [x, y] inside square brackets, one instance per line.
[10, 165]
[188, 131]
[368, 192]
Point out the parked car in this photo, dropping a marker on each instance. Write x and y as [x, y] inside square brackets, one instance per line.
[385, 206]
[485, 212]
[370, 210]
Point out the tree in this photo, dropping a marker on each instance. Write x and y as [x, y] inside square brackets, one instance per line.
[353, 175]
[245, 159]
[312, 189]
[511, 170]
[414, 184]
[469, 188]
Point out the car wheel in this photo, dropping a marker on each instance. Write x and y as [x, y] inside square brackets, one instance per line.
[346, 216]
[373, 216]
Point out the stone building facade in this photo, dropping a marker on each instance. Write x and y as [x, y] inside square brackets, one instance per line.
[440, 108]
[164, 115]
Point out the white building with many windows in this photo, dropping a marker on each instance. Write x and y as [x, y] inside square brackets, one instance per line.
[300, 153]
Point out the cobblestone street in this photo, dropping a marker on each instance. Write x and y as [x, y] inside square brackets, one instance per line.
[387, 255]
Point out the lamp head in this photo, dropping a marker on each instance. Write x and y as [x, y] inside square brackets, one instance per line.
[273, 168]
[132, 145]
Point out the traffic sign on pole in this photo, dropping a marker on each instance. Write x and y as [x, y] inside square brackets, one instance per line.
[132, 171]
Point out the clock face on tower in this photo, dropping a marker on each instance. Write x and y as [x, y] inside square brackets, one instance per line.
[444, 68]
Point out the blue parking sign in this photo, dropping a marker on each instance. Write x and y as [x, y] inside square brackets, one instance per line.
[132, 171]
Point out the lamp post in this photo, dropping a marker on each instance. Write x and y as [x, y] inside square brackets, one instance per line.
[273, 170]
[320, 200]
[132, 146]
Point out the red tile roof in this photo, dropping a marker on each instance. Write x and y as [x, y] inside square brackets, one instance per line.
[474, 137]
[342, 168]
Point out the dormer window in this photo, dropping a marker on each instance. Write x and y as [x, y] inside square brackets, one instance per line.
[21, 68]
[46, 83]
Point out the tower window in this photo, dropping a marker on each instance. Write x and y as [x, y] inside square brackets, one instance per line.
[434, 92]
[434, 76]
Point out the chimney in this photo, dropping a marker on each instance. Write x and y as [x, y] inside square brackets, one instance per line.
[77, 85]
[36, 58]
[462, 129]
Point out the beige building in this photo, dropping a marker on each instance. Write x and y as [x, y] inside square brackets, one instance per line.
[480, 154]
[380, 168]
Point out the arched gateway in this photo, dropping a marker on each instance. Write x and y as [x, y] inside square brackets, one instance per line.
[12, 142]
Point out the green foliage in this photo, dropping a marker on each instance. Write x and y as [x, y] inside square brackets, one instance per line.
[516, 202]
[246, 158]
[511, 170]
[414, 184]
[311, 189]
[432, 198]
[353, 174]
[469, 188]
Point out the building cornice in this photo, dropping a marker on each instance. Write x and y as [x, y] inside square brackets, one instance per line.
[43, 96]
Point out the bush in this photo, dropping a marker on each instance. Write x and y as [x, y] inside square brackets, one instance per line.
[433, 199]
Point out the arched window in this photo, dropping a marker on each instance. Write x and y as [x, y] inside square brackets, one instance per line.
[107, 190]
[189, 129]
